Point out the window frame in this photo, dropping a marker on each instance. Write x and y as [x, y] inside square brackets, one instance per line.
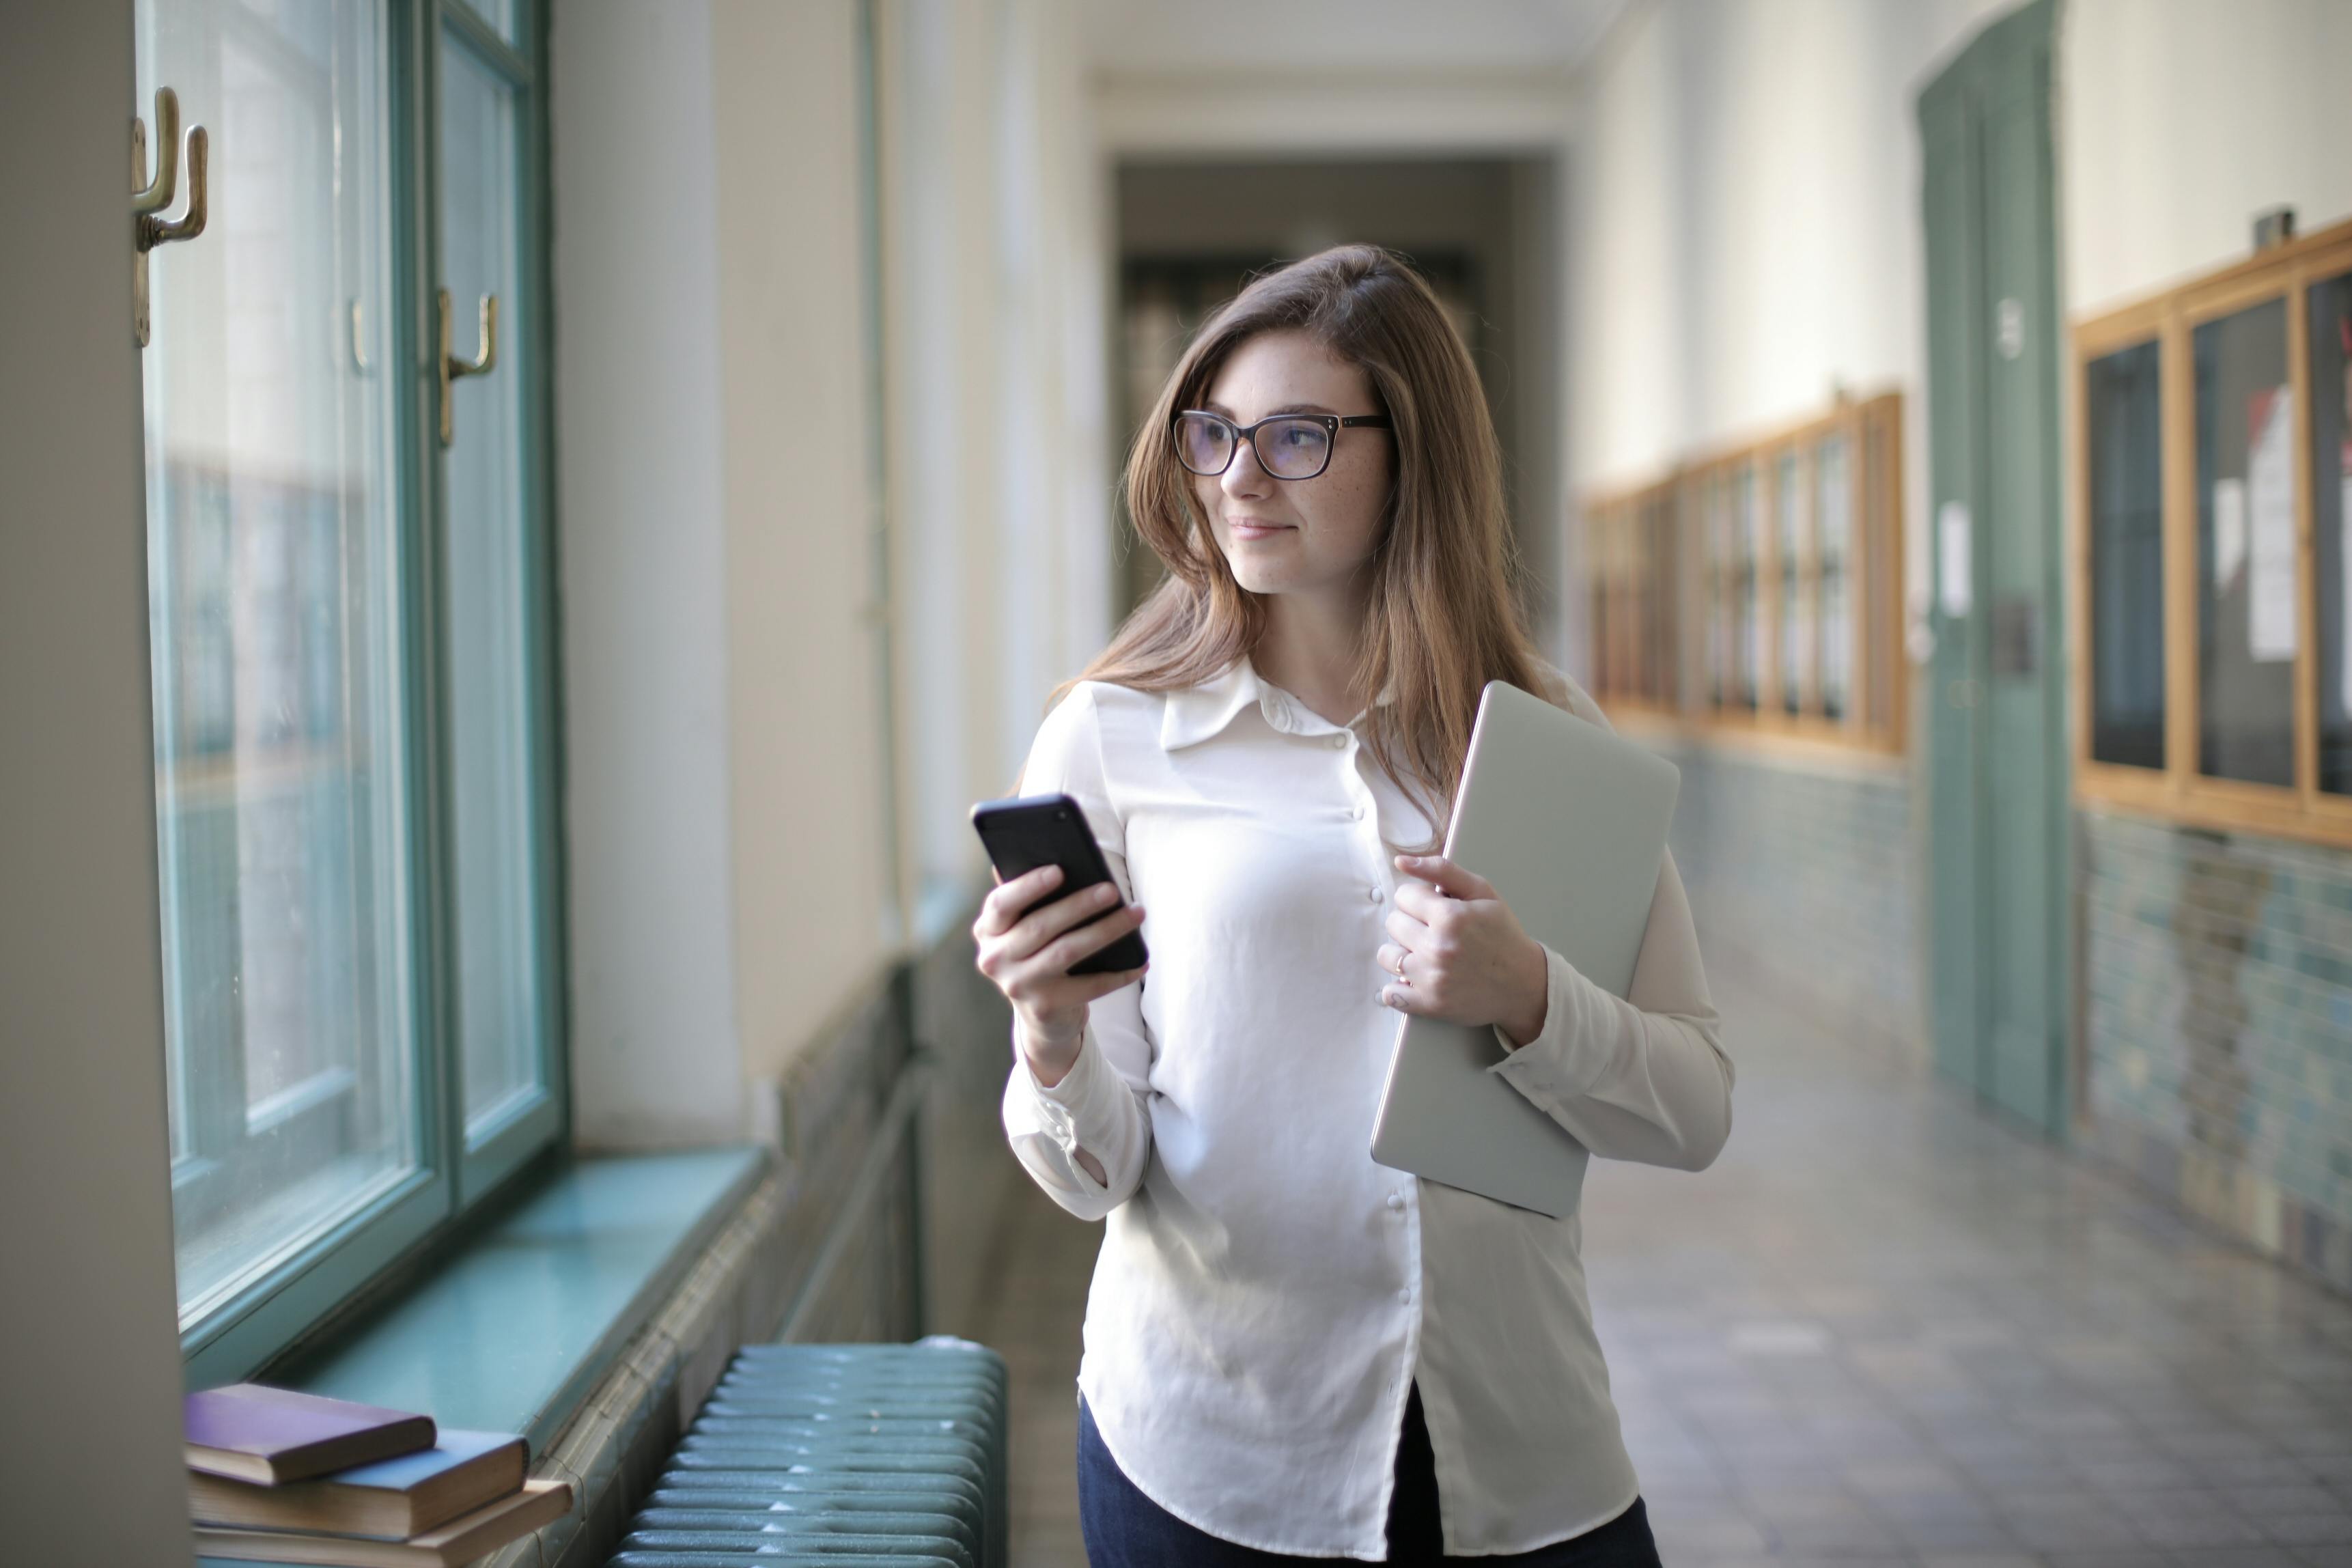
[2179, 792]
[1697, 564]
[260, 1321]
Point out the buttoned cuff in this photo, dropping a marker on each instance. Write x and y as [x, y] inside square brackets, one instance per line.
[1564, 1061]
[1080, 1111]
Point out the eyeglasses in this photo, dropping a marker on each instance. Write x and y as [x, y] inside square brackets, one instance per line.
[1288, 446]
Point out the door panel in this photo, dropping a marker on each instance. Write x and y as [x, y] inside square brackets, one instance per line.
[1955, 793]
[1996, 746]
[2024, 765]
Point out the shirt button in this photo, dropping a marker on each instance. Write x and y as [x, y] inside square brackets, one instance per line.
[1405, 1295]
[1396, 1200]
[1355, 813]
[1374, 894]
[1338, 741]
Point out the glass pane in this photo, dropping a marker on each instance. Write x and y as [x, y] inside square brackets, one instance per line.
[1658, 595]
[2331, 518]
[499, 14]
[2124, 431]
[1833, 512]
[1876, 588]
[1748, 527]
[1604, 666]
[274, 589]
[1795, 520]
[1717, 516]
[2245, 548]
[487, 548]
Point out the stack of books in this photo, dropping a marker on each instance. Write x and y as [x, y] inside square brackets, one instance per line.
[283, 1476]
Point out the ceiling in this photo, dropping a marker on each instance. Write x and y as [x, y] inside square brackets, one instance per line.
[1328, 37]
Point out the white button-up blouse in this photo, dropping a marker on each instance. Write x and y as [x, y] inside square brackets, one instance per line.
[1265, 1294]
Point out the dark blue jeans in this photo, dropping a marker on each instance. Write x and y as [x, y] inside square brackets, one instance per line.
[1125, 1529]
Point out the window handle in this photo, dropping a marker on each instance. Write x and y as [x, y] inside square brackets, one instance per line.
[149, 197]
[454, 368]
[154, 196]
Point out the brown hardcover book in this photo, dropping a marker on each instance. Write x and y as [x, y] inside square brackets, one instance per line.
[271, 1436]
[391, 1499]
[460, 1541]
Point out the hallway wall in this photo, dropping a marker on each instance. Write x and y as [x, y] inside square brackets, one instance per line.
[1746, 244]
[722, 736]
[1802, 881]
[998, 488]
[1747, 208]
[90, 1447]
[2216, 1038]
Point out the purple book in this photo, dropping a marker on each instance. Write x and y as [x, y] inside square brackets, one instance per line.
[269, 1436]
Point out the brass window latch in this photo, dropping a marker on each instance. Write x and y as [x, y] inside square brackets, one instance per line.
[452, 369]
[149, 198]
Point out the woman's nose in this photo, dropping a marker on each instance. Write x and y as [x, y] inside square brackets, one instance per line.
[1244, 476]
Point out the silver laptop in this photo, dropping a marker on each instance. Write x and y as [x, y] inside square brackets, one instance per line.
[1570, 825]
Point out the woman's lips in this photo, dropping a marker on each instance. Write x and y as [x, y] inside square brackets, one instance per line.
[1258, 530]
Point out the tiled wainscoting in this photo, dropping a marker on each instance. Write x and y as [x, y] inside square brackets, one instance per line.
[1805, 874]
[2217, 1002]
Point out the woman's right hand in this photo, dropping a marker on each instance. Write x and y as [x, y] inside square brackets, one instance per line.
[1029, 956]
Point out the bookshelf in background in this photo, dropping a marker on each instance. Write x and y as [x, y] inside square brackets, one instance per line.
[2210, 547]
[1758, 590]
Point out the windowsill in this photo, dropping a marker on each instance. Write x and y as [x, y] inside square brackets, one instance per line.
[512, 1331]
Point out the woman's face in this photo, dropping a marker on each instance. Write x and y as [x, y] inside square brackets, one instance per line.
[1297, 536]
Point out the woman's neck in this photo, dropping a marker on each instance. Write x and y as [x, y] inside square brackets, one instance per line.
[1310, 647]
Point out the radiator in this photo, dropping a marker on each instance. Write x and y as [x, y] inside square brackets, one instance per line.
[837, 1457]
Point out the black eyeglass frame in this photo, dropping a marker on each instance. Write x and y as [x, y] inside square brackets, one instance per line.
[1333, 424]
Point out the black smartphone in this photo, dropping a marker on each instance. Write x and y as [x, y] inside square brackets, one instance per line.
[1036, 830]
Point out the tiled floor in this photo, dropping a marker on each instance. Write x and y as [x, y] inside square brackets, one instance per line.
[1883, 1329]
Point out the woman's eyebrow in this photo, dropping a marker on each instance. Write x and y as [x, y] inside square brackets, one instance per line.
[1214, 406]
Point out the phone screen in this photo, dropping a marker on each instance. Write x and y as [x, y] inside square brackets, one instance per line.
[1023, 834]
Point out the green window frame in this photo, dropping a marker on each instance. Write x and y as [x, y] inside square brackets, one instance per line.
[459, 948]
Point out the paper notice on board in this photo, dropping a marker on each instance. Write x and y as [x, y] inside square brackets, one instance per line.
[1952, 560]
[2270, 526]
[2229, 533]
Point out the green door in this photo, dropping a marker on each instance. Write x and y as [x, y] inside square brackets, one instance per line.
[1996, 746]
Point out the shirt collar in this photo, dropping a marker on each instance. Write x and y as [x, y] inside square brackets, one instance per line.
[1197, 713]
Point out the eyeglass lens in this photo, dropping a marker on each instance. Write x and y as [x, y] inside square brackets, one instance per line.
[1287, 448]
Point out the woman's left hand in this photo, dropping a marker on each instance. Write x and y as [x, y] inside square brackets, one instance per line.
[1456, 952]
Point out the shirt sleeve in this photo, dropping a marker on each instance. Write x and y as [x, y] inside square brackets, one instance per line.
[1099, 1104]
[1641, 1076]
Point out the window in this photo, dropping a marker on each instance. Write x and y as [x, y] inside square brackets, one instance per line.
[351, 675]
[1776, 569]
[2209, 521]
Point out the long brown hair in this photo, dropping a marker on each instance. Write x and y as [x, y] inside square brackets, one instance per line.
[1443, 619]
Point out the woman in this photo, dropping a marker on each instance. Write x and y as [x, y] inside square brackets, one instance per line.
[1291, 1351]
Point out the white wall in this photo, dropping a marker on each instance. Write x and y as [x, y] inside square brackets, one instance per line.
[725, 748]
[1745, 230]
[2180, 119]
[90, 1470]
[998, 492]
[641, 531]
[808, 833]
